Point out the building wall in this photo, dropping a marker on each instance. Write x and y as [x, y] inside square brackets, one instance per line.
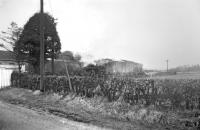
[5, 75]
[123, 67]
[6, 69]
[11, 65]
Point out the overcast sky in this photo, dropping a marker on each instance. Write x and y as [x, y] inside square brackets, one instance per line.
[144, 31]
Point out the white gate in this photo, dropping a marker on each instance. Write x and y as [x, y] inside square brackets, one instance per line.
[5, 77]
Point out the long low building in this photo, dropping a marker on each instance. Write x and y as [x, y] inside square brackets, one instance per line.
[123, 66]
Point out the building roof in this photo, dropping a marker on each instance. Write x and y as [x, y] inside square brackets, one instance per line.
[130, 62]
[110, 61]
[6, 56]
[103, 61]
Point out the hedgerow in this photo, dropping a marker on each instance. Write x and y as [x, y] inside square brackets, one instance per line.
[168, 93]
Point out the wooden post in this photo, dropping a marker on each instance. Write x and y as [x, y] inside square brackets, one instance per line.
[41, 46]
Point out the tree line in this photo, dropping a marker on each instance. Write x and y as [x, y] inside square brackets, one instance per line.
[186, 68]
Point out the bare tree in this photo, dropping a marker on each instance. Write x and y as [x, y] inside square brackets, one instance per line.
[8, 41]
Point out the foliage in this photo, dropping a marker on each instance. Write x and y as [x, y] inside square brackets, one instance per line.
[95, 70]
[67, 55]
[70, 57]
[29, 41]
[9, 38]
[72, 61]
[60, 68]
[169, 94]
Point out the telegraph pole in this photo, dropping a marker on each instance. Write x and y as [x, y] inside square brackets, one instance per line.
[52, 64]
[167, 64]
[41, 46]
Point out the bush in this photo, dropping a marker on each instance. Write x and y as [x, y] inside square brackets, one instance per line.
[168, 93]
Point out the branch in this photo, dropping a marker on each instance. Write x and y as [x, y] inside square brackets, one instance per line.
[3, 46]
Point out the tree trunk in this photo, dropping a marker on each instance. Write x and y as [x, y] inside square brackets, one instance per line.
[36, 69]
[52, 65]
[19, 67]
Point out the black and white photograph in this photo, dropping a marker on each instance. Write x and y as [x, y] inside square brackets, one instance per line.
[99, 64]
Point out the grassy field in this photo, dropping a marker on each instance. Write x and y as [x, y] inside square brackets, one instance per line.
[179, 75]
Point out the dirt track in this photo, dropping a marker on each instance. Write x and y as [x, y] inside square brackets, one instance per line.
[18, 118]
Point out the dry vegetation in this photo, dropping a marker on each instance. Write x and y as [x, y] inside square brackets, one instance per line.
[97, 111]
[157, 103]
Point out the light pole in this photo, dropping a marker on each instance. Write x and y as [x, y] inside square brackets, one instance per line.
[41, 46]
